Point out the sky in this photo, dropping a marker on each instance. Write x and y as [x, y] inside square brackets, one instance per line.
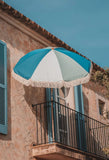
[82, 24]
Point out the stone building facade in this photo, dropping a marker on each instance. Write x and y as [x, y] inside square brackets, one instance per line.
[21, 36]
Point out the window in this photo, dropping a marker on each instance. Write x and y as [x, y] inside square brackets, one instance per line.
[63, 127]
[3, 88]
[101, 107]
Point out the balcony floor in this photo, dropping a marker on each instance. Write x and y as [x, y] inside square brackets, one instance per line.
[57, 151]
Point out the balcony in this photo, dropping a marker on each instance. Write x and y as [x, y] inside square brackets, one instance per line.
[62, 132]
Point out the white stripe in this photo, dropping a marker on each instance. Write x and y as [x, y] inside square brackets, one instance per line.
[48, 69]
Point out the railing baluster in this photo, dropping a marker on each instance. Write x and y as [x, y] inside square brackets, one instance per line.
[93, 147]
[72, 129]
[70, 126]
[44, 124]
[36, 125]
[40, 124]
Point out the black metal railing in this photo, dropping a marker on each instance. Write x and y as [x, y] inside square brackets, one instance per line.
[58, 123]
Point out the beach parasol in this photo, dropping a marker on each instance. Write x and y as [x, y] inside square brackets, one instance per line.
[52, 67]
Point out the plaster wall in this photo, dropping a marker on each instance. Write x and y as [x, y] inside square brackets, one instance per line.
[92, 93]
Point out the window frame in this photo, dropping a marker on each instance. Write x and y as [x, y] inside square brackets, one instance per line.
[101, 108]
[103, 99]
[57, 99]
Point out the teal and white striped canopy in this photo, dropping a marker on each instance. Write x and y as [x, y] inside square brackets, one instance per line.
[52, 68]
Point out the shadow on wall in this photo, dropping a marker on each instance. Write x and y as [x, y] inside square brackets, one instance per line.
[34, 95]
[8, 136]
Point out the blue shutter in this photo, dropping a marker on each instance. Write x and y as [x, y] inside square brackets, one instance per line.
[79, 104]
[49, 116]
[3, 88]
[80, 122]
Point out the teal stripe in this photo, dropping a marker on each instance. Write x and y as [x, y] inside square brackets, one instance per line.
[69, 68]
[28, 63]
[86, 64]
